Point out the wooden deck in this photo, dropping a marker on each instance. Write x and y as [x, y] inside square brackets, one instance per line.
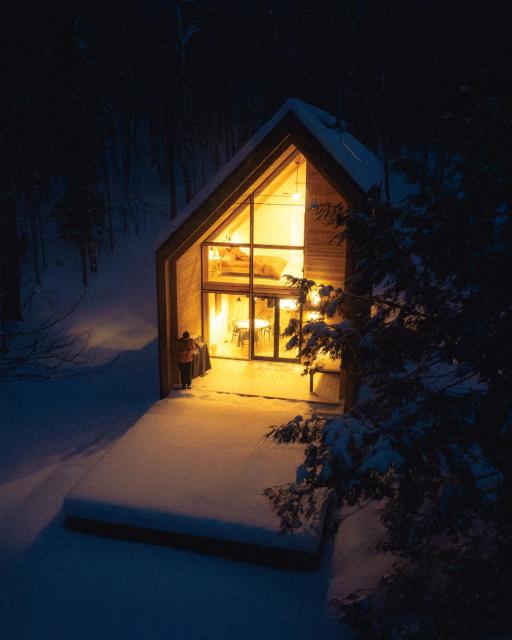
[269, 379]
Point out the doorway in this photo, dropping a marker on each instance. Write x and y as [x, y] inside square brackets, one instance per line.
[271, 315]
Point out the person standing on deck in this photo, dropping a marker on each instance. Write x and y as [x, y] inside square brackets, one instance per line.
[186, 350]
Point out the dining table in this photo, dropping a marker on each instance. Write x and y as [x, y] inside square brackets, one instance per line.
[258, 324]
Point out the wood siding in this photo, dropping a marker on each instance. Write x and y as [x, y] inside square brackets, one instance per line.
[325, 258]
[163, 302]
[188, 272]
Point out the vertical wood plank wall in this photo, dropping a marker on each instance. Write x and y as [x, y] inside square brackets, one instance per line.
[163, 299]
[188, 292]
[324, 259]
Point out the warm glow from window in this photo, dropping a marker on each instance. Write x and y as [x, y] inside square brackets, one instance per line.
[271, 219]
[314, 297]
[288, 303]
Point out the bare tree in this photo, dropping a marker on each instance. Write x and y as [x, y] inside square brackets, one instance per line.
[40, 351]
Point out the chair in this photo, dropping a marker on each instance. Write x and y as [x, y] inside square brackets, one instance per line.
[235, 331]
[242, 337]
[269, 329]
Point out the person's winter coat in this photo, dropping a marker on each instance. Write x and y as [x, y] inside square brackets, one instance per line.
[186, 350]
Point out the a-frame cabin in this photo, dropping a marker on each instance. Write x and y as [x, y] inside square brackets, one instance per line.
[220, 272]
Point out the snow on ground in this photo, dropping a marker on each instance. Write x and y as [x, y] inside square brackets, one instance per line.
[73, 586]
[197, 463]
[357, 566]
[60, 584]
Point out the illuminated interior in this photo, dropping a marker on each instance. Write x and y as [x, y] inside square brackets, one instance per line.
[230, 331]
[237, 228]
[273, 315]
[224, 324]
[262, 238]
[248, 255]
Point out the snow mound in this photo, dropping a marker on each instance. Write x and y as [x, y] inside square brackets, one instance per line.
[196, 464]
[358, 565]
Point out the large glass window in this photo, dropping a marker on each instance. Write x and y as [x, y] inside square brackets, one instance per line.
[279, 207]
[236, 229]
[271, 265]
[224, 264]
[261, 238]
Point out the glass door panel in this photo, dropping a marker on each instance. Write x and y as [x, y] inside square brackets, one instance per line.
[226, 318]
[288, 310]
[264, 325]
[271, 316]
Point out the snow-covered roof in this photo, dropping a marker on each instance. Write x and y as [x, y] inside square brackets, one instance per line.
[358, 161]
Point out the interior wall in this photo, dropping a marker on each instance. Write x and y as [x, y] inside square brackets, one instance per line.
[324, 259]
[188, 277]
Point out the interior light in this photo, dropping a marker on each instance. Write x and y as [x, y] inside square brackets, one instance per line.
[296, 195]
[314, 297]
[288, 303]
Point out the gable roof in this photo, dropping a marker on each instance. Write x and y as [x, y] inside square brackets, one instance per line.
[316, 128]
[358, 161]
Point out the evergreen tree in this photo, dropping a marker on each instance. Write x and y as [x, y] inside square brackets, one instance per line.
[431, 431]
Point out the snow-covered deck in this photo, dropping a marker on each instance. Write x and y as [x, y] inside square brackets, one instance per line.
[269, 379]
[191, 472]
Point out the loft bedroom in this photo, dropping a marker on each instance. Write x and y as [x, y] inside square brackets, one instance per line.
[262, 238]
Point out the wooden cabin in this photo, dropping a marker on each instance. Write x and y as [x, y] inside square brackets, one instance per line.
[221, 271]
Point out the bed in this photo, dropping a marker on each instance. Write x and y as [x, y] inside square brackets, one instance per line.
[234, 262]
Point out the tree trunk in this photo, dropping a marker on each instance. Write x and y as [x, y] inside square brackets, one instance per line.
[41, 237]
[171, 166]
[83, 259]
[108, 204]
[11, 251]
[35, 235]
[127, 158]
[185, 172]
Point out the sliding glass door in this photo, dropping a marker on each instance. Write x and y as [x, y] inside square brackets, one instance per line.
[271, 315]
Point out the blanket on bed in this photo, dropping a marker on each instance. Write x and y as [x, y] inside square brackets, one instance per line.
[234, 261]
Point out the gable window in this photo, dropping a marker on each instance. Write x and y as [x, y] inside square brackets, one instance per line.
[245, 261]
[261, 239]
